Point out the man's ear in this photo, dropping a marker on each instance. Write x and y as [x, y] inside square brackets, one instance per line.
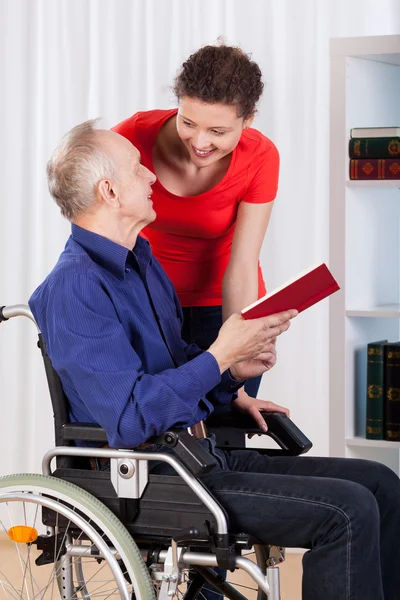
[107, 192]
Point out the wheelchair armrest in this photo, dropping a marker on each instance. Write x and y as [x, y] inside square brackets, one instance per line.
[280, 428]
[86, 432]
[195, 458]
[192, 455]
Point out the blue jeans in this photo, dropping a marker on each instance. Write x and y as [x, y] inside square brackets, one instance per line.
[345, 512]
[201, 326]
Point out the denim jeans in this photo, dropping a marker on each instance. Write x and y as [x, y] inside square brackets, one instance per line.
[345, 512]
[201, 326]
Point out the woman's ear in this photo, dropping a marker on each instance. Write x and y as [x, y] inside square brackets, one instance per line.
[107, 192]
[247, 122]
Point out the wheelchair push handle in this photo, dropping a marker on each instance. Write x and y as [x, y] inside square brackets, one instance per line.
[16, 310]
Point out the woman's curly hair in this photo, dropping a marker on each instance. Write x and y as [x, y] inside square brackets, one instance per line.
[221, 74]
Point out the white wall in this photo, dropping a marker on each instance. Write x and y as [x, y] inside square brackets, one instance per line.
[63, 62]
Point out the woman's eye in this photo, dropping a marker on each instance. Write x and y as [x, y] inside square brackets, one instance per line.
[217, 132]
[187, 124]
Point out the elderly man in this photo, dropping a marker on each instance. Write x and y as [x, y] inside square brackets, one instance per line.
[111, 322]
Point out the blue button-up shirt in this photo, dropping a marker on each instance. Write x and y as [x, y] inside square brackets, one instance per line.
[112, 322]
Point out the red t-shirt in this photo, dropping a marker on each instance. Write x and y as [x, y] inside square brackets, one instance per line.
[192, 235]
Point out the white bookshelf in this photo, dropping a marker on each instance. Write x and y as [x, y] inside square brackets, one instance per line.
[364, 239]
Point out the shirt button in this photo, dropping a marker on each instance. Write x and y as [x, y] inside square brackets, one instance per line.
[127, 270]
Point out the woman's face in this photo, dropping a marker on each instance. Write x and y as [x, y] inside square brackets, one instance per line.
[208, 131]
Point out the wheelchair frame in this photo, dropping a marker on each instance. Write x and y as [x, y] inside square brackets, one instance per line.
[131, 484]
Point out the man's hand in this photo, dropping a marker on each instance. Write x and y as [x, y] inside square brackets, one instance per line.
[253, 407]
[244, 340]
[247, 369]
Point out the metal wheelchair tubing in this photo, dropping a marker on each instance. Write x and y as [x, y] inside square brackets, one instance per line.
[18, 310]
[187, 477]
[210, 560]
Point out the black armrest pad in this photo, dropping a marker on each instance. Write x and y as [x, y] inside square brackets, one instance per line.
[87, 432]
[280, 428]
[188, 450]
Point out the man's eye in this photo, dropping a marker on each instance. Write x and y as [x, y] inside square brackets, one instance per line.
[187, 124]
[217, 132]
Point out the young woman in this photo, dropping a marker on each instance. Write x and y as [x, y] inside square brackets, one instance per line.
[217, 179]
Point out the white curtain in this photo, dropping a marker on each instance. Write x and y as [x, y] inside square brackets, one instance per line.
[63, 61]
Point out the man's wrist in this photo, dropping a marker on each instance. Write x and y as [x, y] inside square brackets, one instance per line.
[222, 361]
[234, 375]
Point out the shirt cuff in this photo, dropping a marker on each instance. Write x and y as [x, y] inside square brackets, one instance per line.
[230, 384]
[206, 369]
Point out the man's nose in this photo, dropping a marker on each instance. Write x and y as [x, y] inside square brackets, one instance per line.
[151, 176]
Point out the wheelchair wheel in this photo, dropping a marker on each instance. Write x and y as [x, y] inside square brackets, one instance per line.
[59, 541]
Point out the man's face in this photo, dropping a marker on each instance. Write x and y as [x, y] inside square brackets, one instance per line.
[133, 181]
[136, 189]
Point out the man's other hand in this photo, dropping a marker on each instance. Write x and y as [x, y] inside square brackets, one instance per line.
[243, 340]
[255, 366]
[254, 407]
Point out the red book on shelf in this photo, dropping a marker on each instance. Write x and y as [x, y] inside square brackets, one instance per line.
[300, 293]
[374, 168]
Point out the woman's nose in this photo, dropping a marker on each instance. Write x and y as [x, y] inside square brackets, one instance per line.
[201, 140]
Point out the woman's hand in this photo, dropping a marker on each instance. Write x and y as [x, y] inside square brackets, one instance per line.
[253, 407]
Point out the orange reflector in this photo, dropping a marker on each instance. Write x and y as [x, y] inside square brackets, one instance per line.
[22, 534]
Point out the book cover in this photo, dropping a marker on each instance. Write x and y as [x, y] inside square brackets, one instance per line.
[375, 395]
[374, 168]
[364, 132]
[391, 359]
[385, 147]
[300, 293]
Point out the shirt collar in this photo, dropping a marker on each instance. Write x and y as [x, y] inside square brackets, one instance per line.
[108, 254]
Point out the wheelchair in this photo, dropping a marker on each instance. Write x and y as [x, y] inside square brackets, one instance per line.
[90, 531]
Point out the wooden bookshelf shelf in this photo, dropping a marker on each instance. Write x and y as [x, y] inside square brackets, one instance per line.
[375, 183]
[363, 443]
[388, 311]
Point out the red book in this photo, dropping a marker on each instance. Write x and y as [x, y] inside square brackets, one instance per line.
[300, 293]
[374, 168]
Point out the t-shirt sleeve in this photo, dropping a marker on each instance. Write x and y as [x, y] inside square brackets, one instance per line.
[128, 128]
[263, 176]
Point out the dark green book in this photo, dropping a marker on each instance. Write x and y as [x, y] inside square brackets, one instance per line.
[374, 147]
[391, 357]
[375, 397]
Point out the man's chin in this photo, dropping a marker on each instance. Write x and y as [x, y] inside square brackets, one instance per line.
[152, 216]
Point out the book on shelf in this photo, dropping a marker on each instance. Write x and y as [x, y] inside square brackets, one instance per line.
[375, 391]
[301, 292]
[376, 132]
[391, 359]
[374, 168]
[385, 147]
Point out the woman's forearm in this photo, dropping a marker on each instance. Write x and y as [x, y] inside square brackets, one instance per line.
[239, 289]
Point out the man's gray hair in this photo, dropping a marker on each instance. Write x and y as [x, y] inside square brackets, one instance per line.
[76, 167]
